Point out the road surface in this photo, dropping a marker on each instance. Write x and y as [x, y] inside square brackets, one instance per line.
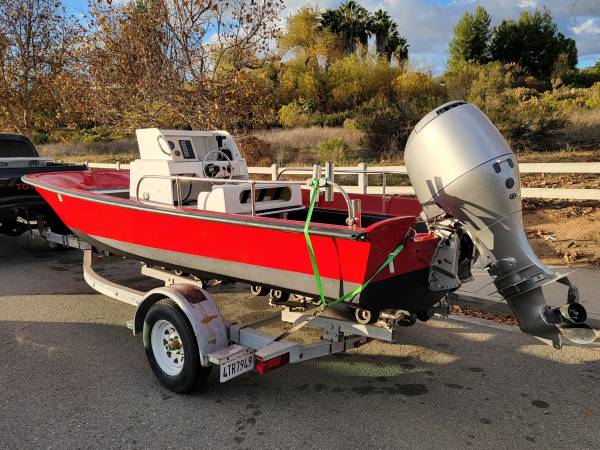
[73, 376]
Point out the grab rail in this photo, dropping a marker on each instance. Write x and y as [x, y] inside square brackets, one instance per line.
[384, 173]
[178, 178]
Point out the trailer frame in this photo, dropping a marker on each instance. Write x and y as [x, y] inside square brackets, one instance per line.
[264, 351]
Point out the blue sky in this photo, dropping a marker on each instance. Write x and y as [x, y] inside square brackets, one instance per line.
[428, 24]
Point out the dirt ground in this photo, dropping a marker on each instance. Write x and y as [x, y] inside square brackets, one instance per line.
[564, 232]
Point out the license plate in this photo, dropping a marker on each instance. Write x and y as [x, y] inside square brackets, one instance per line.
[238, 366]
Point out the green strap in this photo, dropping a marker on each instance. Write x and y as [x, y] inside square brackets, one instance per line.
[314, 192]
[314, 186]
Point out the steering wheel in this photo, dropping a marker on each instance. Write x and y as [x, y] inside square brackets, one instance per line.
[211, 170]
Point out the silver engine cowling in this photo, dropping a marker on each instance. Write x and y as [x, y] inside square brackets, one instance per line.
[461, 167]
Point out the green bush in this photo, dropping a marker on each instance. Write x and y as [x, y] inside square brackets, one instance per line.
[40, 137]
[354, 80]
[335, 150]
[294, 114]
[526, 118]
[335, 119]
[582, 78]
[420, 90]
[350, 124]
[386, 127]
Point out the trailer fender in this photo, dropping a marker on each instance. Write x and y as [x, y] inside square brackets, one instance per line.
[200, 309]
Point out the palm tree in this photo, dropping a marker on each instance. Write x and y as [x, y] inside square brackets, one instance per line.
[330, 19]
[388, 41]
[381, 25]
[397, 47]
[351, 21]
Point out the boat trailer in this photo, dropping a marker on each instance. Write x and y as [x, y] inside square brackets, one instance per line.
[233, 347]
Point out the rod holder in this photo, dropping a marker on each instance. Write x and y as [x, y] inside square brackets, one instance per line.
[355, 213]
[316, 171]
[329, 177]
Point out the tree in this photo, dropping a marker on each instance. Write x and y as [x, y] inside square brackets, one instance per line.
[307, 40]
[184, 63]
[533, 43]
[302, 78]
[381, 25]
[398, 47]
[37, 52]
[471, 37]
[356, 79]
[351, 21]
[388, 41]
[567, 47]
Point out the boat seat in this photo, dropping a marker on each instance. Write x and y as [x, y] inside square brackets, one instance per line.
[237, 198]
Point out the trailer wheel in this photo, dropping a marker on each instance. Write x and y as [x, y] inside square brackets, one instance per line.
[171, 348]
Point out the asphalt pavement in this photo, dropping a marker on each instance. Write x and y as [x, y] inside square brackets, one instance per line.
[73, 376]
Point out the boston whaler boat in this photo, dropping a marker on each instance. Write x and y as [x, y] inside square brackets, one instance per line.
[188, 205]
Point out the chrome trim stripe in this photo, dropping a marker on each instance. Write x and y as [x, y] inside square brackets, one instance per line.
[287, 280]
[203, 215]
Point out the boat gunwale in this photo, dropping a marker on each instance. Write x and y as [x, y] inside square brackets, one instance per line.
[335, 231]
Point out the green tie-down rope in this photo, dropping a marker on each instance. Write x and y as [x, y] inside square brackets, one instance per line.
[314, 192]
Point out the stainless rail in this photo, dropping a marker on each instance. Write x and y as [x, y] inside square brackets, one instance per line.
[383, 173]
[178, 178]
[343, 171]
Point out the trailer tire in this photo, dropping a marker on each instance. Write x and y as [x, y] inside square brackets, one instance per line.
[175, 361]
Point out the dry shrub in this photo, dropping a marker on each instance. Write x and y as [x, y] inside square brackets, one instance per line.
[123, 150]
[566, 155]
[302, 138]
[255, 151]
[583, 128]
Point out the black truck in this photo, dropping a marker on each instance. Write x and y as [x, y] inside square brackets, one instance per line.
[20, 204]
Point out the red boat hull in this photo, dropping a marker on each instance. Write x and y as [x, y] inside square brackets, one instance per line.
[267, 251]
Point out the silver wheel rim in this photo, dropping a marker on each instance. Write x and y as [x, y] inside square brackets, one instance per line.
[167, 347]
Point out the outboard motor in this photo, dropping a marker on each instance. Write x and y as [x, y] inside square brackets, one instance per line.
[463, 170]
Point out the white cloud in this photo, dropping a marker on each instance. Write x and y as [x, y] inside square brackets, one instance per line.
[527, 4]
[589, 26]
